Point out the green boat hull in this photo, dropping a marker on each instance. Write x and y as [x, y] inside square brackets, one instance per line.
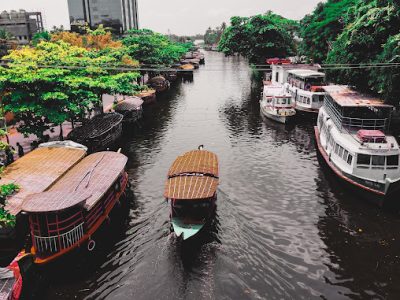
[185, 231]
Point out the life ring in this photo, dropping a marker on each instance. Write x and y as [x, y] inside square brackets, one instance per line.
[307, 87]
[91, 245]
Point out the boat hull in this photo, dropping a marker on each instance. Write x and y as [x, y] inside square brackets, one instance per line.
[185, 231]
[361, 187]
[306, 110]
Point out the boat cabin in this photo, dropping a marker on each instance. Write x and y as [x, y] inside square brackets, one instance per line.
[353, 111]
[308, 80]
[275, 96]
[280, 71]
[69, 213]
[130, 108]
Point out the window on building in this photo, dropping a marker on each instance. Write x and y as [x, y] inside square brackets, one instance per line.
[363, 159]
[392, 161]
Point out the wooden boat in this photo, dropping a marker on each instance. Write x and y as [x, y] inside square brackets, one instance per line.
[192, 189]
[131, 108]
[186, 70]
[98, 133]
[159, 83]
[276, 104]
[352, 137]
[13, 278]
[171, 76]
[148, 96]
[67, 215]
[35, 172]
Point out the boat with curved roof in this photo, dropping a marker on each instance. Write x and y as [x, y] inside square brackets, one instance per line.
[66, 216]
[192, 190]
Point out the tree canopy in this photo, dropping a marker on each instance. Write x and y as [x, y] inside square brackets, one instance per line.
[259, 37]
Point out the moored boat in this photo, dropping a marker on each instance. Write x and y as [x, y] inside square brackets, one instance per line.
[131, 109]
[66, 216]
[98, 133]
[192, 190]
[159, 83]
[353, 138]
[306, 89]
[276, 103]
[148, 96]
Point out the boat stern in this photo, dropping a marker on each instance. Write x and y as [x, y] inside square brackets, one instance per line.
[185, 231]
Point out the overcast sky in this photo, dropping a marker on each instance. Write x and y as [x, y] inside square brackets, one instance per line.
[183, 17]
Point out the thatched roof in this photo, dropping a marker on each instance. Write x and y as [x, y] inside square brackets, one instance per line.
[37, 171]
[193, 175]
[86, 183]
[96, 127]
[128, 104]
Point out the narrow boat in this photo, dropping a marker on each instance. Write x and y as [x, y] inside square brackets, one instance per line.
[33, 173]
[276, 104]
[130, 108]
[192, 190]
[306, 89]
[14, 278]
[66, 216]
[159, 83]
[98, 133]
[353, 138]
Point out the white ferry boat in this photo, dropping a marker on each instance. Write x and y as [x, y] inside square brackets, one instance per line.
[352, 137]
[306, 88]
[276, 103]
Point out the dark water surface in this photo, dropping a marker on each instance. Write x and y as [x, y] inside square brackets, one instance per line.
[285, 229]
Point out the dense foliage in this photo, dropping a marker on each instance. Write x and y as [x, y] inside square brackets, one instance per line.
[6, 219]
[259, 37]
[370, 36]
[319, 29]
[213, 36]
[54, 82]
[151, 48]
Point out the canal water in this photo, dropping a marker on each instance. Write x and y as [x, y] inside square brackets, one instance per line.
[285, 228]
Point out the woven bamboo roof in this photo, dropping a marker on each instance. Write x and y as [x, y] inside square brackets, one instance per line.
[192, 176]
[37, 171]
[157, 80]
[96, 127]
[196, 161]
[85, 183]
[129, 104]
[191, 187]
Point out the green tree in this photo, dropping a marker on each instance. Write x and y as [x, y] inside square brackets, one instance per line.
[259, 37]
[368, 37]
[321, 28]
[152, 48]
[54, 82]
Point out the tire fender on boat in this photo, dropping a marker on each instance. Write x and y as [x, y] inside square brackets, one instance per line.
[91, 245]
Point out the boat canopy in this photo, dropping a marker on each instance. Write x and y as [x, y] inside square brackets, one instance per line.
[193, 176]
[304, 73]
[129, 104]
[84, 184]
[346, 97]
[196, 161]
[36, 171]
[96, 127]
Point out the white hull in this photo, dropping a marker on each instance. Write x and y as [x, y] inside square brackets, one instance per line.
[271, 114]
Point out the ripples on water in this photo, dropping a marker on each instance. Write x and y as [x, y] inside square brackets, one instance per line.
[284, 227]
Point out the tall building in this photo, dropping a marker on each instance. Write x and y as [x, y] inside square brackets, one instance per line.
[21, 24]
[120, 15]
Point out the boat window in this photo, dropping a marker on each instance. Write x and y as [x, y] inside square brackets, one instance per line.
[392, 160]
[336, 148]
[283, 101]
[378, 160]
[345, 154]
[288, 101]
[340, 151]
[321, 98]
[363, 159]
[308, 100]
[349, 159]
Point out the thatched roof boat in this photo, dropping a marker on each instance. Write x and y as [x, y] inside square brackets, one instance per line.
[36, 171]
[159, 83]
[75, 206]
[191, 186]
[99, 132]
[148, 96]
[130, 108]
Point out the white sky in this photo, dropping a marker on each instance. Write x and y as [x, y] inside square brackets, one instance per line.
[183, 17]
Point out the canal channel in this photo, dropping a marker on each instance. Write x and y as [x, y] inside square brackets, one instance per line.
[285, 229]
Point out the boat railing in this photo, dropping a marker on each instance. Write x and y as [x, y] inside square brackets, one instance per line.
[348, 123]
[54, 244]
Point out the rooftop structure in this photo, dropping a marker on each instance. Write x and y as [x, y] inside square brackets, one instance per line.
[22, 25]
